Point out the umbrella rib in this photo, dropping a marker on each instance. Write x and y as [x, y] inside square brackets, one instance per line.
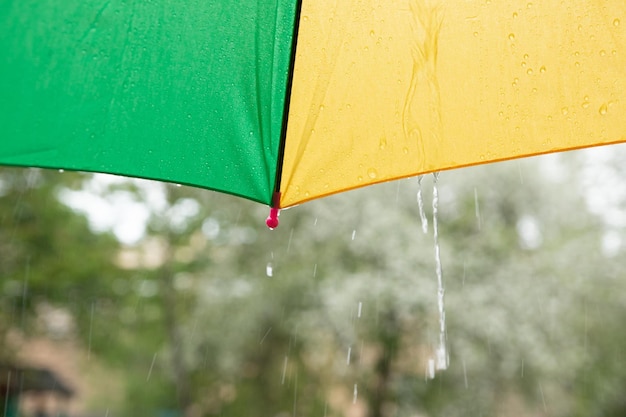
[283, 132]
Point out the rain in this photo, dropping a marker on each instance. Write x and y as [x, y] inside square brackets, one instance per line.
[182, 320]
[454, 236]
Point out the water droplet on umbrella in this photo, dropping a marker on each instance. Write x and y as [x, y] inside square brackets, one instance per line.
[542, 69]
[616, 22]
[511, 36]
[372, 173]
[565, 111]
[383, 143]
[603, 109]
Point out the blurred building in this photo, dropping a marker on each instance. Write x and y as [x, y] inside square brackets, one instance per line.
[41, 387]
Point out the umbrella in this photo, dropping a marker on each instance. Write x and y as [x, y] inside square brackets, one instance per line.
[284, 101]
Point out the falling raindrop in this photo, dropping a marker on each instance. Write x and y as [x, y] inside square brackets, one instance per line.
[151, 366]
[465, 374]
[543, 398]
[269, 269]
[420, 204]
[90, 332]
[353, 234]
[282, 379]
[477, 207]
[442, 354]
[359, 310]
[265, 336]
[289, 241]
[355, 394]
[430, 369]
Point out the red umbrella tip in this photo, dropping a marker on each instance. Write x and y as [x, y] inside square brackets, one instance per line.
[272, 219]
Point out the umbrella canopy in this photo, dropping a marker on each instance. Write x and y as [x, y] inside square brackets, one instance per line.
[281, 101]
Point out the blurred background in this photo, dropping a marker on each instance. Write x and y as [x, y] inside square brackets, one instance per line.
[123, 297]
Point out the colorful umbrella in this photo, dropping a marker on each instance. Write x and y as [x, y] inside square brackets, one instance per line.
[281, 101]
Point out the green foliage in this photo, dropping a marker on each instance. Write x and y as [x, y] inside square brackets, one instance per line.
[335, 312]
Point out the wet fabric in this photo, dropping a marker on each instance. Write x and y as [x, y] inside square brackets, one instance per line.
[194, 92]
[184, 91]
[384, 90]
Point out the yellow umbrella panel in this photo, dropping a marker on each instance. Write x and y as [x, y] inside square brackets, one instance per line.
[390, 89]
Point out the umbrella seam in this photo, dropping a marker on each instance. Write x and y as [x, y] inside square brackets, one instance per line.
[283, 134]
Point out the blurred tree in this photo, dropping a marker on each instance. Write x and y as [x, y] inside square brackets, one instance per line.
[48, 255]
[335, 312]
